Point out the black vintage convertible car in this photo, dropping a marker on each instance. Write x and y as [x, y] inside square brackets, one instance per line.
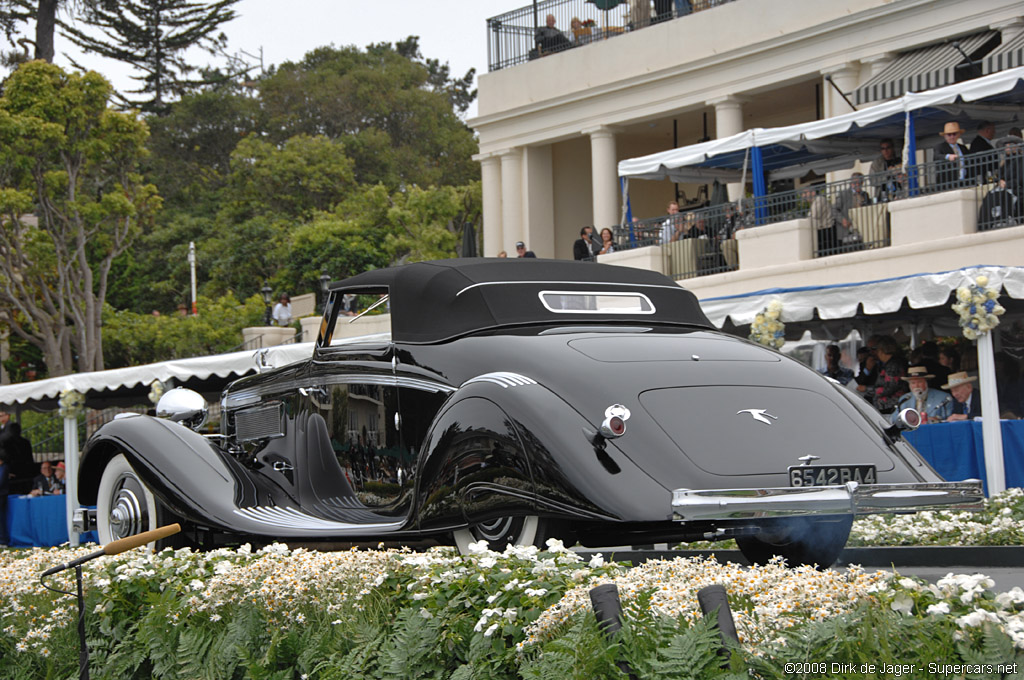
[513, 401]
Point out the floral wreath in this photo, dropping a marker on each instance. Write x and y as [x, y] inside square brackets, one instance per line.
[156, 391]
[767, 329]
[71, 403]
[978, 307]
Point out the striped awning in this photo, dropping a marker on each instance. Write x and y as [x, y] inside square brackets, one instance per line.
[922, 69]
[1007, 55]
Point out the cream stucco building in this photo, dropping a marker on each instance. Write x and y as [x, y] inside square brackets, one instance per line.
[552, 130]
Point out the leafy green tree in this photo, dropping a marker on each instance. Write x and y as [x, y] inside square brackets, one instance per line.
[395, 114]
[427, 223]
[131, 339]
[71, 201]
[152, 36]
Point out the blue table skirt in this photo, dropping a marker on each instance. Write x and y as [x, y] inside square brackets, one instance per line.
[956, 450]
[40, 521]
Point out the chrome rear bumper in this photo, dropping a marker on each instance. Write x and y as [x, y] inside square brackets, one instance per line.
[849, 498]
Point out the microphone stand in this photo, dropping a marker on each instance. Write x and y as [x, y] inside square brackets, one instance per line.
[112, 548]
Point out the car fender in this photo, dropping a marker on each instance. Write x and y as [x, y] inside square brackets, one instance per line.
[184, 469]
[564, 467]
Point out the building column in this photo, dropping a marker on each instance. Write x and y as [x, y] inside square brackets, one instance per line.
[729, 122]
[1009, 29]
[490, 176]
[539, 200]
[846, 77]
[604, 174]
[877, 63]
[511, 200]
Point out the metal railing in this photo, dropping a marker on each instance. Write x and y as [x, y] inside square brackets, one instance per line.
[256, 343]
[522, 34]
[847, 216]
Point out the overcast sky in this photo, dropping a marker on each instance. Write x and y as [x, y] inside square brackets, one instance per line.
[453, 31]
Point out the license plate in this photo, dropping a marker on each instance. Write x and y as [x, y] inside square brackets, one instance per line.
[830, 475]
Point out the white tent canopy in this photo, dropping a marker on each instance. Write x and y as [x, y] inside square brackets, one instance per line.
[844, 301]
[178, 371]
[823, 139]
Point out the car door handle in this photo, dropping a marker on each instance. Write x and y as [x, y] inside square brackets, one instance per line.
[317, 392]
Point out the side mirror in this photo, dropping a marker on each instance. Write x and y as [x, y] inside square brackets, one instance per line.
[183, 406]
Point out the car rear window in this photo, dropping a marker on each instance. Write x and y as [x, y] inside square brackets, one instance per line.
[585, 302]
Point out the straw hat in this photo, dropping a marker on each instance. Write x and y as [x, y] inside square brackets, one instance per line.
[958, 379]
[952, 126]
[916, 372]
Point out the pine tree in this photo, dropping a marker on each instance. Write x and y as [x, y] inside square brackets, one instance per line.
[152, 36]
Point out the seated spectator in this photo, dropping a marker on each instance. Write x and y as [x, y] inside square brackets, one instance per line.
[549, 39]
[45, 482]
[582, 33]
[695, 226]
[886, 171]
[968, 404]
[927, 354]
[607, 242]
[890, 385]
[833, 369]
[59, 484]
[933, 405]
[282, 315]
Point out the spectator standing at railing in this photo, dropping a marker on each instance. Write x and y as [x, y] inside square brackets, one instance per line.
[1011, 168]
[607, 242]
[853, 196]
[890, 386]
[823, 219]
[549, 39]
[282, 314]
[671, 225]
[952, 157]
[885, 171]
[982, 143]
[521, 250]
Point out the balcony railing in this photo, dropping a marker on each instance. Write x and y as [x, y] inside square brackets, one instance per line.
[846, 216]
[522, 34]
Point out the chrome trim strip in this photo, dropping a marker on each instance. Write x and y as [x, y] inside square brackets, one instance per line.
[570, 283]
[252, 396]
[291, 518]
[859, 499]
[501, 378]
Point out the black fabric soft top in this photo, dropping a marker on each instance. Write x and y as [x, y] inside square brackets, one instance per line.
[433, 301]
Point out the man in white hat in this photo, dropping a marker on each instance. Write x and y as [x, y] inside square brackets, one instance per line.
[968, 404]
[954, 170]
[933, 405]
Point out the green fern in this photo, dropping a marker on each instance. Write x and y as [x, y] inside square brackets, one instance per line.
[193, 646]
[410, 655]
[689, 654]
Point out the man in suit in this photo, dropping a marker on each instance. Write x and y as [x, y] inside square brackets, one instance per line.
[982, 143]
[584, 248]
[968, 404]
[951, 158]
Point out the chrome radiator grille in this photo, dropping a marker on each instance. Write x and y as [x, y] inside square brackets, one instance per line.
[262, 422]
